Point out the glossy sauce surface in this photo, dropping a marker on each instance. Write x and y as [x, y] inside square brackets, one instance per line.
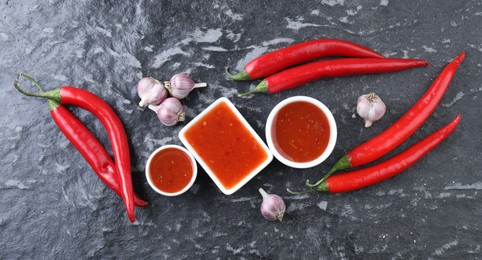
[300, 131]
[171, 170]
[225, 145]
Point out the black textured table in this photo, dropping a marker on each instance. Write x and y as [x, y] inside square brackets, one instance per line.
[52, 205]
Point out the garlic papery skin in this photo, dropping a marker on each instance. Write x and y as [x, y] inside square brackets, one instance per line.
[181, 85]
[170, 111]
[151, 92]
[273, 207]
[370, 107]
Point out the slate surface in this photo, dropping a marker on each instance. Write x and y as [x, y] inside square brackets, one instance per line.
[53, 206]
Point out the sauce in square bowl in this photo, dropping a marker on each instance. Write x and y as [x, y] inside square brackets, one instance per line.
[225, 145]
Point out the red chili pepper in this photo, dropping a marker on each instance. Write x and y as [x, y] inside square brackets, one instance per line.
[275, 61]
[303, 74]
[89, 147]
[115, 130]
[355, 180]
[403, 128]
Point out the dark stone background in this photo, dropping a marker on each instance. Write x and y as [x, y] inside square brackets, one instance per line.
[52, 205]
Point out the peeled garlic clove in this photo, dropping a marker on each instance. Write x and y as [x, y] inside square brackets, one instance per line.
[370, 107]
[272, 207]
[181, 85]
[170, 111]
[151, 91]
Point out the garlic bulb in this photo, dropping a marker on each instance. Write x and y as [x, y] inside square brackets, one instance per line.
[370, 107]
[151, 91]
[272, 207]
[170, 111]
[181, 85]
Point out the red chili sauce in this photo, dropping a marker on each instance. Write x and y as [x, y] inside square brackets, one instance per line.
[300, 131]
[226, 145]
[171, 170]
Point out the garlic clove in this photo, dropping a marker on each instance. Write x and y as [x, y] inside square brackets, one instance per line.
[169, 112]
[181, 85]
[371, 108]
[272, 207]
[151, 91]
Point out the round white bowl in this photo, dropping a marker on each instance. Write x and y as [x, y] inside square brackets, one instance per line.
[331, 141]
[188, 186]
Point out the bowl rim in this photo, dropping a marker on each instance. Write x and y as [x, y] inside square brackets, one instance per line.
[331, 142]
[201, 162]
[194, 170]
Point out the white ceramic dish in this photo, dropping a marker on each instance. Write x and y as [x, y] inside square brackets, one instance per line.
[331, 141]
[201, 161]
[188, 186]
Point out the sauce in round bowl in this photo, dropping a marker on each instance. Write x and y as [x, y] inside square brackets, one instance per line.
[301, 132]
[171, 170]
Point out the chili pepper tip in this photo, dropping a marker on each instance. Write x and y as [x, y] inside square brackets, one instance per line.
[460, 58]
[242, 75]
[140, 202]
[130, 215]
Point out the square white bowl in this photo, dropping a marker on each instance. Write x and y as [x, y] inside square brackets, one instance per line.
[200, 160]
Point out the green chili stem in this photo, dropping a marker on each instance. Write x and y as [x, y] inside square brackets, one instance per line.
[242, 75]
[341, 164]
[52, 95]
[300, 192]
[262, 87]
[322, 187]
[32, 80]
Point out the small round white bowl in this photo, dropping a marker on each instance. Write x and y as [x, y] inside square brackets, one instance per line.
[188, 186]
[331, 141]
